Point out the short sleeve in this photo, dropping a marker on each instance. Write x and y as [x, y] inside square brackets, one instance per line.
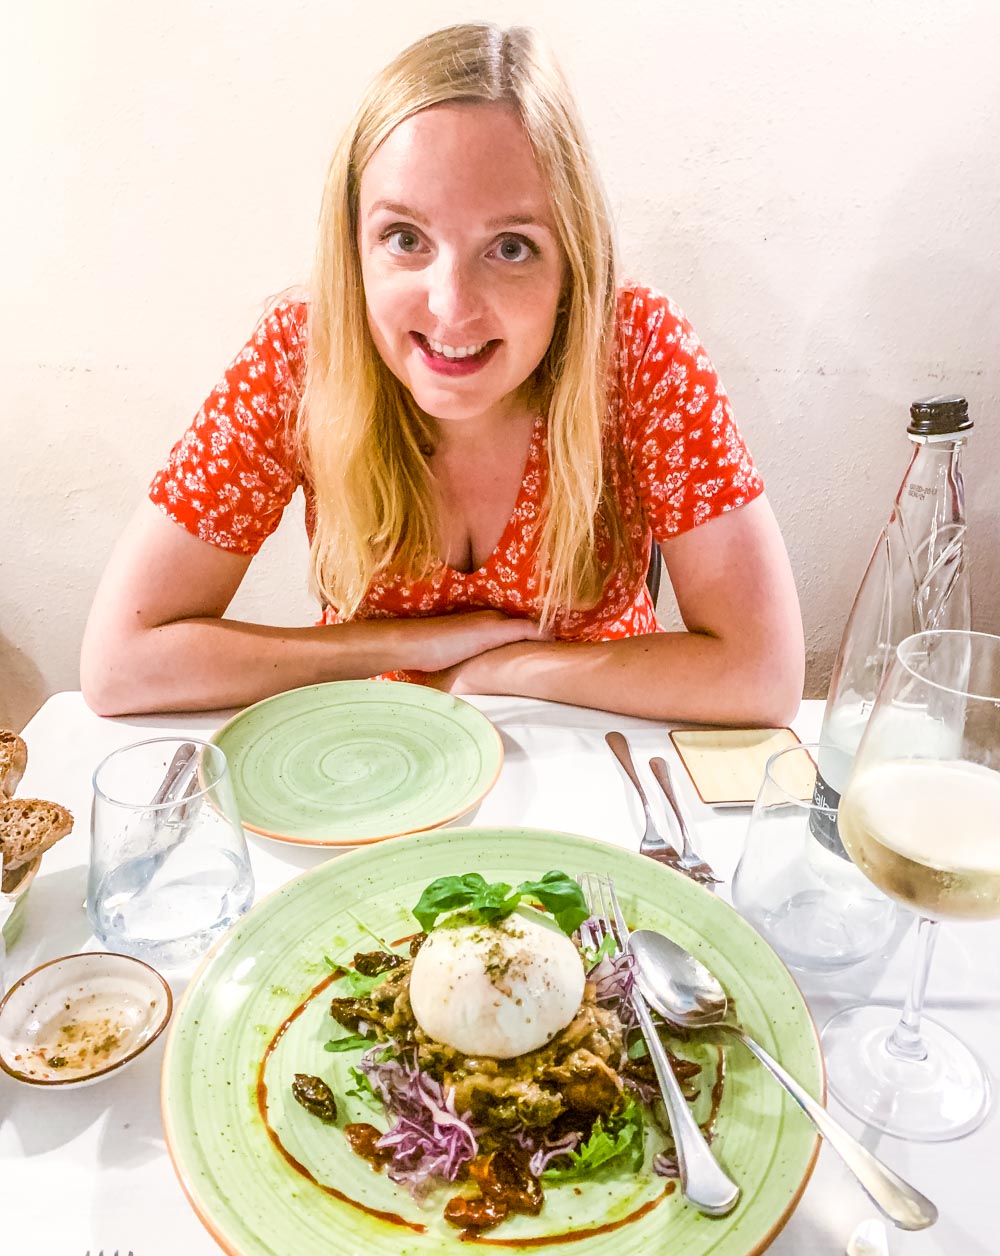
[689, 460]
[230, 476]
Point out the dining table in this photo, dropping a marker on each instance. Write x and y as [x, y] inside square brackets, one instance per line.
[87, 1170]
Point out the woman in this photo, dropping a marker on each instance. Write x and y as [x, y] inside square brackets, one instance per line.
[489, 436]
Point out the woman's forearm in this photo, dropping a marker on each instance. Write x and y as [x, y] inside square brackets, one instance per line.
[208, 663]
[683, 676]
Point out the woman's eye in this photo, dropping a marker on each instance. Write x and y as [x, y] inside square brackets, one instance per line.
[515, 249]
[401, 241]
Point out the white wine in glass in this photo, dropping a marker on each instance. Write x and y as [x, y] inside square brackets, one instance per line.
[926, 834]
[921, 819]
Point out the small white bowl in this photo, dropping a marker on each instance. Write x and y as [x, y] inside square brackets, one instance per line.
[80, 1018]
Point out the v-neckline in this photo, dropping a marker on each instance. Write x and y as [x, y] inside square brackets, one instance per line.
[531, 458]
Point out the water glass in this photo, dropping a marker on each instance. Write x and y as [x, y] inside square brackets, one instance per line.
[169, 869]
[811, 903]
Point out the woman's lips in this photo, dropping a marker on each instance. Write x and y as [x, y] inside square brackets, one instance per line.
[453, 367]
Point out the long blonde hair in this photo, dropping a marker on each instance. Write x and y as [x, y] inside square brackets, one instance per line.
[362, 437]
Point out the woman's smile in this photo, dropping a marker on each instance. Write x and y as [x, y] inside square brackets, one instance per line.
[453, 361]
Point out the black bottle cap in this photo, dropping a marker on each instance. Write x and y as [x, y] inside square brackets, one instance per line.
[939, 416]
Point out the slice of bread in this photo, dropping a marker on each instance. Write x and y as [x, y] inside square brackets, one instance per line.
[13, 761]
[28, 827]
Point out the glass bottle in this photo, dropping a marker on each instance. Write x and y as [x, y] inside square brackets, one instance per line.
[795, 882]
[917, 580]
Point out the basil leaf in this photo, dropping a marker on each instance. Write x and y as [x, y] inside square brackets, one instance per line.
[495, 901]
[560, 895]
[445, 894]
[492, 901]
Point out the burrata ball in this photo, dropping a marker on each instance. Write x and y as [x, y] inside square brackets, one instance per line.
[499, 989]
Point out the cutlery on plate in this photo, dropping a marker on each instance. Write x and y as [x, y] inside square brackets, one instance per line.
[702, 1179]
[687, 995]
[653, 842]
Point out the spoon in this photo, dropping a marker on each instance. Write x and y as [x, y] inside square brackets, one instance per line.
[687, 995]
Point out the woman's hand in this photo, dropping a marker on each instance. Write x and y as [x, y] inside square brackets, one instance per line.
[438, 643]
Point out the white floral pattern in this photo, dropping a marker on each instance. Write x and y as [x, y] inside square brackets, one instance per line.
[677, 459]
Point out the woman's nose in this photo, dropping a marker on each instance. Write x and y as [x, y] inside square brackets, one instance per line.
[453, 295]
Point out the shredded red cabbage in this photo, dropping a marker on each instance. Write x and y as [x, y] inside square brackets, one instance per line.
[428, 1138]
[614, 979]
[543, 1149]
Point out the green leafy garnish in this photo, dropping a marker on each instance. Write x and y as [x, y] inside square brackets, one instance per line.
[357, 985]
[609, 946]
[492, 901]
[350, 1043]
[362, 1088]
[621, 1135]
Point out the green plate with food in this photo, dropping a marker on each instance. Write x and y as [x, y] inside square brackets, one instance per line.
[356, 761]
[409, 1049]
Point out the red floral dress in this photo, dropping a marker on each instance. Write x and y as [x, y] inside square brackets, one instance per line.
[680, 461]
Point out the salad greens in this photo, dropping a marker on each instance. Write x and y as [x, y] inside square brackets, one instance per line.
[493, 901]
[356, 984]
[622, 1134]
[349, 1043]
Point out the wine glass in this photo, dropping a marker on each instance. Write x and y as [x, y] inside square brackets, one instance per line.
[921, 818]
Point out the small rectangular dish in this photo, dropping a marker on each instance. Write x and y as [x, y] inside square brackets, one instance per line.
[726, 765]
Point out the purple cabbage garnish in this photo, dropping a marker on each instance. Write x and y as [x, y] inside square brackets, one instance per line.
[542, 1148]
[428, 1138]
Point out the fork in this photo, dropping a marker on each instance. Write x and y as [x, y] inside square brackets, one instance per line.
[702, 1179]
[653, 842]
[690, 862]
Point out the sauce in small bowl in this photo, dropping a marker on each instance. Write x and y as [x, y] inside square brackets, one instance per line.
[77, 1019]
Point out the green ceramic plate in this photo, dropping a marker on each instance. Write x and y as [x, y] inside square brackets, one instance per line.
[357, 761]
[256, 1203]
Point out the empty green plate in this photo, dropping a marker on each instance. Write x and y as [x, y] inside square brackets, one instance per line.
[351, 762]
[257, 1013]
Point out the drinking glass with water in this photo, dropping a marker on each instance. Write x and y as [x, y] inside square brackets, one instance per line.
[169, 869]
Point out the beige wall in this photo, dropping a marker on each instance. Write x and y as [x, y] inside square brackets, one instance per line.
[817, 184]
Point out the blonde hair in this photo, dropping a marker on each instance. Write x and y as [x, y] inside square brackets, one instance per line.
[362, 437]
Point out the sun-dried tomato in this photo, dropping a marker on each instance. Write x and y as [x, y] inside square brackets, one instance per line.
[363, 1139]
[371, 963]
[507, 1178]
[315, 1096]
[475, 1214]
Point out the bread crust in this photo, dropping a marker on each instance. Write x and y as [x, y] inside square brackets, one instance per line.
[28, 827]
[13, 761]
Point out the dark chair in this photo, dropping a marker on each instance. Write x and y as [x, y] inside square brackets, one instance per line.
[654, 571]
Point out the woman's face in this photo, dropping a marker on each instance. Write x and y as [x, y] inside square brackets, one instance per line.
[461, 262]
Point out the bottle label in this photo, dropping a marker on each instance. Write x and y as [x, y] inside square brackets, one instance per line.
[823, 824]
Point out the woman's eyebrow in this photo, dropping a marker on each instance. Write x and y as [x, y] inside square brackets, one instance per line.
[394, 207]
[518, 220]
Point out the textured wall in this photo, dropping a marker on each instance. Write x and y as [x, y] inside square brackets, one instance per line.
[817, 185]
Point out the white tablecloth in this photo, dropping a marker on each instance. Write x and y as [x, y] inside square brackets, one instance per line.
[86, 1170]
